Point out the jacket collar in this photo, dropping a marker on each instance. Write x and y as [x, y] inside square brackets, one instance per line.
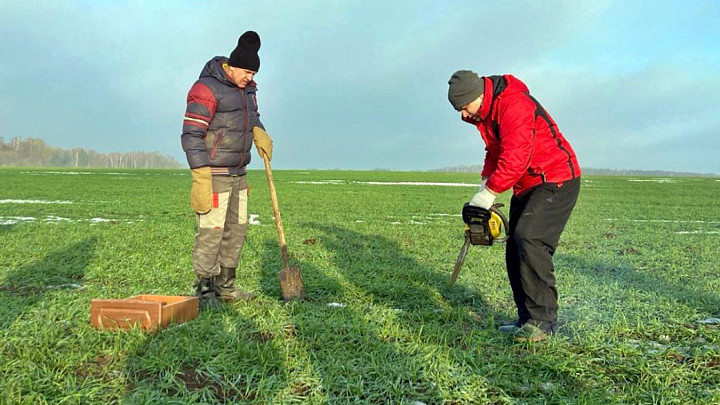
[494, 86]
[487, 99]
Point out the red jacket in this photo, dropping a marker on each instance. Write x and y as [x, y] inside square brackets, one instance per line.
[524, 145]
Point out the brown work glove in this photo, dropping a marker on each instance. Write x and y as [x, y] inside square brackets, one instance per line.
[263, 142]
[201, 191]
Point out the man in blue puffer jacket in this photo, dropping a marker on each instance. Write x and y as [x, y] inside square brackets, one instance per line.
[220, 124]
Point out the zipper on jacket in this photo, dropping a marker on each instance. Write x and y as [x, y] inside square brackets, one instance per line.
[219, 137]
[244, 97]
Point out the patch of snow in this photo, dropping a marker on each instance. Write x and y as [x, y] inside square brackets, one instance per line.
[414, 183]
[662, 180]
[72, 286]
[388, 183]
[86, 173]
[15, 220]
[668, 221]
[321, 182]
[336, 305]
[697, 232]
[33, 202]
[97, 220]
[53, 218]
[547, 386]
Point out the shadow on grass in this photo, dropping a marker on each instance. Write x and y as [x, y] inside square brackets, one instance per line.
[219, 357]
[388, 316]
[4, 229]
[28, 285]
[619, 273]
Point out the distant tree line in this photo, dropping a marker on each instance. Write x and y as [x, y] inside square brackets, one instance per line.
[590, 171]
[35, 152]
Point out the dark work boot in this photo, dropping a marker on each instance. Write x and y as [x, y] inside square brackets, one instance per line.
[207, 293]
[225, 283]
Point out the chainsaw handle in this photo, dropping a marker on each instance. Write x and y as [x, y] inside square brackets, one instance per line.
[504, 219]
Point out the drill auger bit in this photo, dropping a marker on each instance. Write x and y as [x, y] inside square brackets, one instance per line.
[460, 260]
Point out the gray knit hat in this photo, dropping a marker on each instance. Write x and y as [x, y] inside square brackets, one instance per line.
[465, 87]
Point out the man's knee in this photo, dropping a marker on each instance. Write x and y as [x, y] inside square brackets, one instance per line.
[524, 238]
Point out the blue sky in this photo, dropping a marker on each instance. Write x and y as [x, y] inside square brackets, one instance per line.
[363, 84]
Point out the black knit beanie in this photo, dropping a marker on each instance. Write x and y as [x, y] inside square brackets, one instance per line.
[465, 87]
[245, 54]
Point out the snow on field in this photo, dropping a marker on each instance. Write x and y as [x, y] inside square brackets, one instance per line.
[68, 286]
[15, 220]
[53, 219]
[253, 220]
[105, 173]
[678, 221]
[698, 232]
[414, 183]
[85, 173]
[34, 202]
[97, 220]
[388, 183]
[662, 180]
[321, 182]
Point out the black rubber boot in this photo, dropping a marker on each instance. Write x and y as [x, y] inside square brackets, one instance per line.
[208, 295]
[225, 283]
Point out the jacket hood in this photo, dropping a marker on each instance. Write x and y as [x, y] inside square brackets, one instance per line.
[213, 68]
[499, 86]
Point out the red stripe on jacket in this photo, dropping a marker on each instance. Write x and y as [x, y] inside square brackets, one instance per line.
[201, 94]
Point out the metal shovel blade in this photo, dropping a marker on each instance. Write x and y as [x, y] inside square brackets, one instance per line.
[291, 284]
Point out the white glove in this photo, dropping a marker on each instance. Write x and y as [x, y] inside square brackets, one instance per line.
[484, 198]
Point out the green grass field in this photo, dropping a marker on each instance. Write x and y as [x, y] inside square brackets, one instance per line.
[637, 269]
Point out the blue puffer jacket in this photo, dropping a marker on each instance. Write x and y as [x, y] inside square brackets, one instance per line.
[218, 123]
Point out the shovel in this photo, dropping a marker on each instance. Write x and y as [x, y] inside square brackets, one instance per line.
[291, 282]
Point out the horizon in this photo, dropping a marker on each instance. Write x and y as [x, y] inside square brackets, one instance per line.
[461, 168]
[362, 86]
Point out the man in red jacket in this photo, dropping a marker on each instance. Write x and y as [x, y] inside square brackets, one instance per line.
[525, 151]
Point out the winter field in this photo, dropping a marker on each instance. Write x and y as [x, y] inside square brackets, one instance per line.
[638, 274]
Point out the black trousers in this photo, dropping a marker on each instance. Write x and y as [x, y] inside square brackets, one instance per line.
[537, 218]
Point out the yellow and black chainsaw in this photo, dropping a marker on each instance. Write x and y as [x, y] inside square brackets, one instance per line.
[482, 227]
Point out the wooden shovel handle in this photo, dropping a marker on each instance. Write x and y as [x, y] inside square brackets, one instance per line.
[276, 212]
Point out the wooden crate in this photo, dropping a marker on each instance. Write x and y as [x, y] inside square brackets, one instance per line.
[145, 311]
